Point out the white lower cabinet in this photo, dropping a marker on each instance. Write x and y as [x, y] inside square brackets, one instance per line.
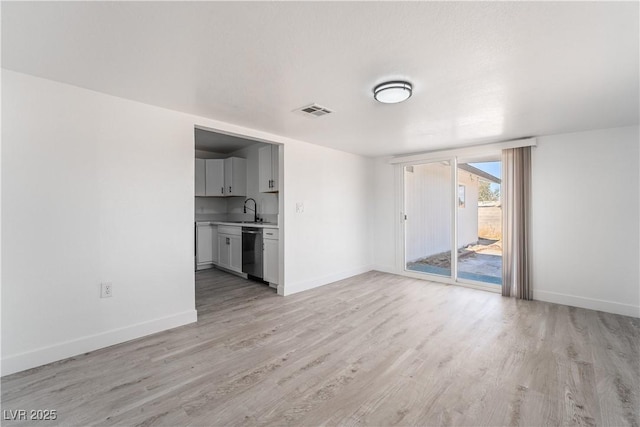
[224, 254]
[270, 255]
[221, 245]
[230, 248]
[214, 244]
[207, 245]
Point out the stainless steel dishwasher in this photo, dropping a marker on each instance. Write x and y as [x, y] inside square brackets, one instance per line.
[252, 251]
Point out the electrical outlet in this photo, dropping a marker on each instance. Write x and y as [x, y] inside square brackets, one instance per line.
[300, 207]
[106, 290]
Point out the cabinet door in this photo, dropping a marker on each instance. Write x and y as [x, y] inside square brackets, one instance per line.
[214, 244]
[215, 177]
[270, 261]
[236, 254]
[205, 245]
[275, 162]
[264, 169]
[228, 176]
[268, 160]
[200, 177]
[235, 176]
[224, 252]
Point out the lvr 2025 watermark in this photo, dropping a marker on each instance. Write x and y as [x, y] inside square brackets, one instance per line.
[29, 415]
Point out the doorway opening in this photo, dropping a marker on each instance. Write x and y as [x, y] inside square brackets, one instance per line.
[237, 210]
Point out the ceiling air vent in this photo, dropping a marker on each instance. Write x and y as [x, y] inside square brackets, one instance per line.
[314, 110]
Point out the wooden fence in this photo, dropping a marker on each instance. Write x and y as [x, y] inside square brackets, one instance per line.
[490, 222]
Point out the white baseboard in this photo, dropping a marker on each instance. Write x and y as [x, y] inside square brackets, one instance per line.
[547, 296]
[42, 356]
[293, 288]
[590, 303]
[386, 269]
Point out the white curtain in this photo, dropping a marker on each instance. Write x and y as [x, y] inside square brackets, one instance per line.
[516, 223]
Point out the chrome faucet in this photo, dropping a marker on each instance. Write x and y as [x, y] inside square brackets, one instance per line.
[255, 209]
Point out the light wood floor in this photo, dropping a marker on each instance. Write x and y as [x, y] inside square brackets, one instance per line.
[376, 349]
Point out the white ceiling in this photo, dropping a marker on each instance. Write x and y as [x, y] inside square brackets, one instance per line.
[481, 71]
[219, 142]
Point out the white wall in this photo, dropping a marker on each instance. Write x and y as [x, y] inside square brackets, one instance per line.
[332, 238]
[94, 189]
[98, 188]
[210, 205]
[387, 205]
[586, 220]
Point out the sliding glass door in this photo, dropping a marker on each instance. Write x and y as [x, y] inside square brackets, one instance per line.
[453, 221]
[428, 224]
[479, 248]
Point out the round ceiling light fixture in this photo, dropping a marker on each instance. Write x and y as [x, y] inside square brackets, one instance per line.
[392, 92]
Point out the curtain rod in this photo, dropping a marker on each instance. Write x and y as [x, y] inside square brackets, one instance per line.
[464, 151]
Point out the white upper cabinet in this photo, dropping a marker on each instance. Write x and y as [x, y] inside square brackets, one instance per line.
[264, 169]
[221, 177]
[214, 177]
[268, 168]
[235, 177]
[200, 177]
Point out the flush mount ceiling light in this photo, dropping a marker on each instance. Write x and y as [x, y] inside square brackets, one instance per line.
[392, 92]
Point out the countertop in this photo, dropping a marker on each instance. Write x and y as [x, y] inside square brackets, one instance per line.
[239, 224]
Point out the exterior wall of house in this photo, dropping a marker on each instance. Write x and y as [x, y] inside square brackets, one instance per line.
[428, 209]
[468, 215]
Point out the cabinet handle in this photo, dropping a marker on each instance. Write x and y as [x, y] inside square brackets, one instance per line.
[228, 241]
[221, 190]
[229, 189]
